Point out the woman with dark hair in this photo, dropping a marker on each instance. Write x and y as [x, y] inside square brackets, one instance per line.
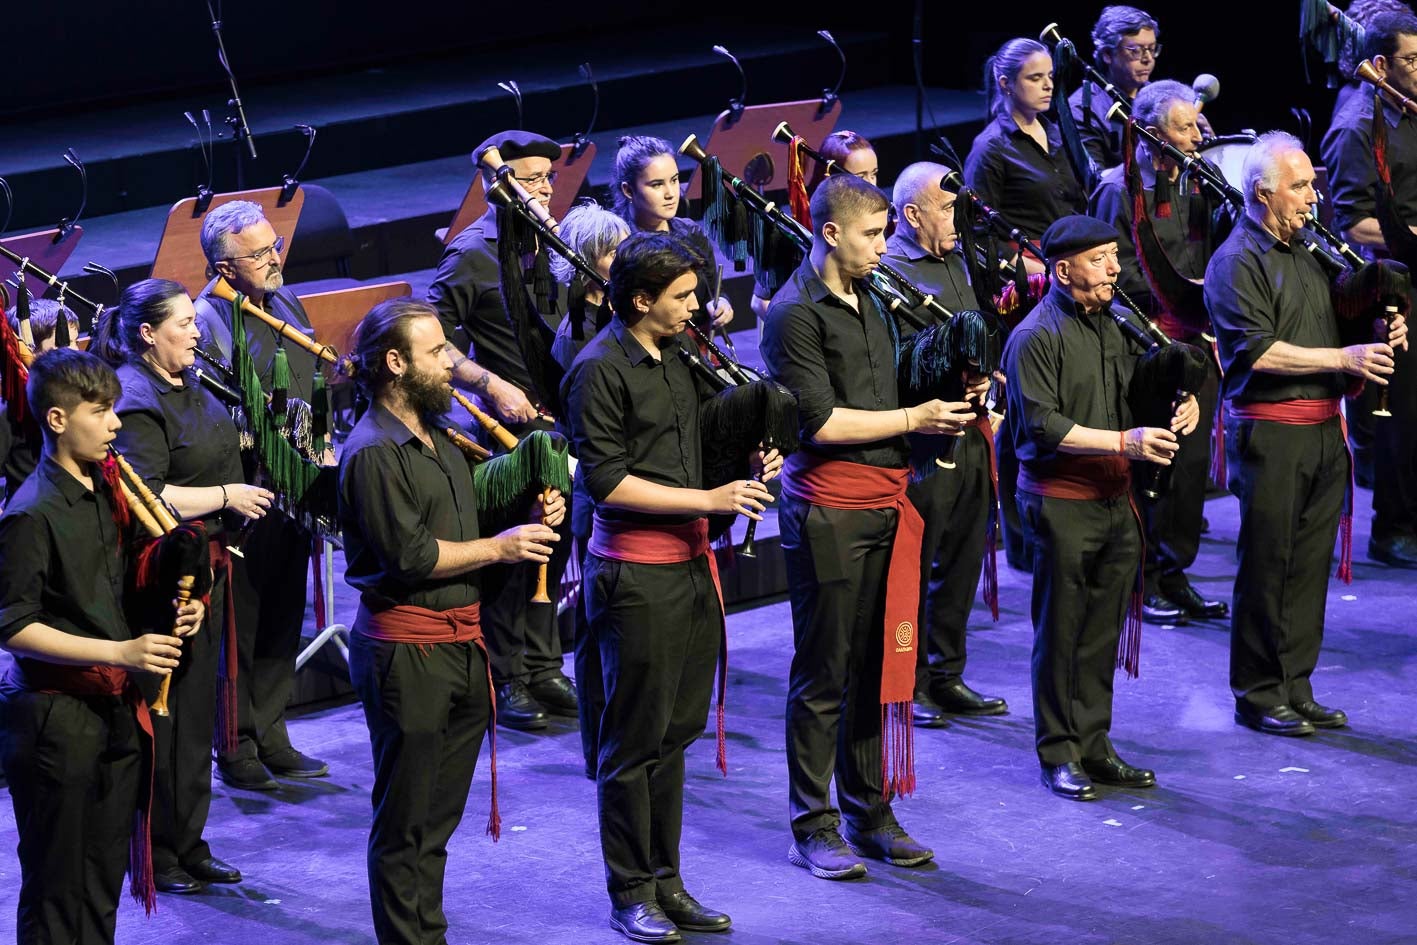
[851, 152]
[647, 195]
[182, 441]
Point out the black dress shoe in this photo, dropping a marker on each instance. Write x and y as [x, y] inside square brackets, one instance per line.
[693, 916]
[1274, 720]
[957, 698]
[1069, 781]
[289, 763]
[925, 713]
[1158, 609]
[644, 922]
[212, 870]
[1197, 606]
[557, 695]
[248, 774]
[1118, 773]
[177, 880]
[1399, 552]
[1320, 716]
[517, 709]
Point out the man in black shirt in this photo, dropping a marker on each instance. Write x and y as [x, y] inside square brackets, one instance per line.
[410, 518]
[1070, 367]
[650, 578]
[1125, 49]
[1391, 45]
[268, 580]
[522, 639]
[954, 504]
[73, 718]
[845, 518]
[1180, 219]
[1284, 376]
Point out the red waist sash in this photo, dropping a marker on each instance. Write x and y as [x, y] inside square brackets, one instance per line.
[424, 629]
[640, 543]
[838, 484]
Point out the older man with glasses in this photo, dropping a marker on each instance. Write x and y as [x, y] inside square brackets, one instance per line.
[1125, 50]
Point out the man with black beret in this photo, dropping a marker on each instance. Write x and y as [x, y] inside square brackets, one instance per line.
[1069, 366]
[522, 640]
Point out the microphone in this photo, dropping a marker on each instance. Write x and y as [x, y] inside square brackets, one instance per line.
[1207, 89]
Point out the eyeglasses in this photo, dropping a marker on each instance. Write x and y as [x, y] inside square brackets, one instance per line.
[536, 180]
[1134, 52]
[260, 256]
[1408, 62]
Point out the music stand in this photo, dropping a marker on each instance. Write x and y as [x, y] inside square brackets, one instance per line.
[738, 143]
[179, 253]
[570, 174]
[334, 316]
[40, 249]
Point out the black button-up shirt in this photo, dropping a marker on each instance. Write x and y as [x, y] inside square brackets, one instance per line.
[1259, 291]
[1352, 173]
[1111, 202]
[62, 559]
[946, 279]
[1029, 186]
[214, 321]
[633, 415]
[1101, 136]
[181, 436]
[397, 500]
[831, 355]
[1065, 367]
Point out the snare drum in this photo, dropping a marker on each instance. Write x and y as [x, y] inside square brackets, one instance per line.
[1228, 152]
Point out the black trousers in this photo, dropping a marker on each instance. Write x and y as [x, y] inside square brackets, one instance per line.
[271, 591]
[522, 639]
[182, 780]
[1290, 481]
[1395, 454]
[658, 627]
[1015, 537]
[1173, 519]
[1085, 559]
[427, 713]
[590, 687]
[75, 766]
[955, 506]
[836, 575]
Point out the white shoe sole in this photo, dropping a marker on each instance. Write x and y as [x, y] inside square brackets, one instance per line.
[797, 858]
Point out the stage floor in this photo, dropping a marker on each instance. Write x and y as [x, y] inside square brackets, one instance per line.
[1248, 839]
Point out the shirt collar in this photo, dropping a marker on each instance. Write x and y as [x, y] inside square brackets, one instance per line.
[901, 245]
[63, 481]
[392, 426]
[1263, 239]
[634, 351]
[163, 385]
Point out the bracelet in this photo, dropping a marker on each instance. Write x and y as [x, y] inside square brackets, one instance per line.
[907, 418]
[1122, 443]
[223, 497]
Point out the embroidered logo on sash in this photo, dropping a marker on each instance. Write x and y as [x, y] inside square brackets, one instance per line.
[904, 633]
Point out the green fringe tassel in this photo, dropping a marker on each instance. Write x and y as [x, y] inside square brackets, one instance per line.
[320, 414]
[280, 383]
[538, 460]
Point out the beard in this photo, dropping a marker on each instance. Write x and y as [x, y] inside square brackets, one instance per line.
[427, 394]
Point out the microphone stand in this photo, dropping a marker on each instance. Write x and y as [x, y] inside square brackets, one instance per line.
[240, 127]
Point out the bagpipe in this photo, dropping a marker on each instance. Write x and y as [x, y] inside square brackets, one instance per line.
[17, 350]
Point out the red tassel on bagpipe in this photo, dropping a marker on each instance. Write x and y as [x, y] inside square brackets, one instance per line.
[1129, 646]
[14, 373]
[797, 199]
[122, 515]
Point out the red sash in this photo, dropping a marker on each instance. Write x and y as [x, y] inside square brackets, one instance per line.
[38, 676]
[1311, 413]
[1095, 478]
[670, 544]
[837, 484]
[424, 629]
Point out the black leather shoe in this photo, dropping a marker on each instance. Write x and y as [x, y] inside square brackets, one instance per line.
[289, 763]
[212, 870]
[177, 880]
[517, 709]
[956, 698]
[1158, 609]
[1069, 781]
[693, 916]
[248, 774]
[1118, 773]
[644, 922]
[1399, 552]
[1190, 601]
[889, 843]
[556, 695]
[925, 713]
[1320, 716]
[1274, 720]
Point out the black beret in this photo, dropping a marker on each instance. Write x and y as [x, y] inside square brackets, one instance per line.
[1075, 233]
[518, 144]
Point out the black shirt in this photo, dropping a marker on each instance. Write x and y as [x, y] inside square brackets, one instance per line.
[1100, 135]
[214, 320]
[1065, 367]
[62, 559]
[1111, 202]
[1352, 173]
[397, 499]
[1030, 187]
[946, 279]
[632, 415]
[830, 355]
[1259, 291]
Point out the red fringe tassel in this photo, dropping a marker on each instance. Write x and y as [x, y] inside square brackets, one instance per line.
[897, 750]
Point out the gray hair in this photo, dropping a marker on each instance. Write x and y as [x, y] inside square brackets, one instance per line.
[1261, 170]
[916, 180]
[590, 230]
[1116, 23]
[226, 220]
[1152, 105]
